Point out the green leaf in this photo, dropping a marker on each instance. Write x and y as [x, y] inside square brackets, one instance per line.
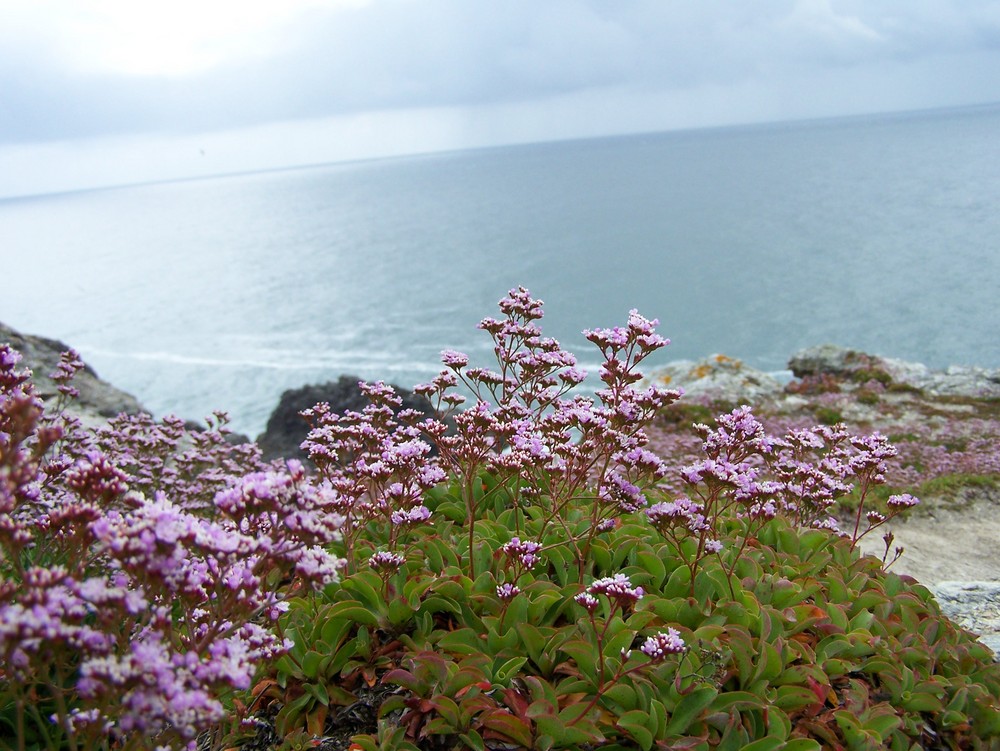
[653, 565]
[634, 723]
[367, 586]
[802, 744]
[334, 629]
[883, 725]
[792, 698]
[439, 604]
[689, 709]
[508, 670]
[602, 558]
[400, 612]
[339, 659]
[621, 694]
[474, 740]
[461, 641]
[501, 640]
[405, 679]
[532, 639]
[354, 612]
[765, 744]
[737, 700]
[584, 654]
[310, 665]
[319, 691]
[851, 728]
[922, 702]
[448, 710]
[622, 640]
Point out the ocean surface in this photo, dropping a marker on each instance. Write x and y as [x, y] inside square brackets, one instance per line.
[880, 233]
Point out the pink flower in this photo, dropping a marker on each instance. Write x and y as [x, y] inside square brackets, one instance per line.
[658, 646]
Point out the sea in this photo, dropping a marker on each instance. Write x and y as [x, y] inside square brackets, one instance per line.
[879, 232]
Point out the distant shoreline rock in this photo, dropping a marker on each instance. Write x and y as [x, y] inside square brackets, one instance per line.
[98, 399]
[956, 380]
[727, 379]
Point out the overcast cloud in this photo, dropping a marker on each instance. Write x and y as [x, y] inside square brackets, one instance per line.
[104, 91]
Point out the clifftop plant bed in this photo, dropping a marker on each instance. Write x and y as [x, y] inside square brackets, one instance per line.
[525, 573]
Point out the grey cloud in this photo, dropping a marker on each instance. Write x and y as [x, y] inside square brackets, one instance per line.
[440, 53]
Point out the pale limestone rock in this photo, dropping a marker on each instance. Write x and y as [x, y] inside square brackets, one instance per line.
[717, 377]
[973, 605]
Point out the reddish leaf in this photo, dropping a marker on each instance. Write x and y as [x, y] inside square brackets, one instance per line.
[517, 702]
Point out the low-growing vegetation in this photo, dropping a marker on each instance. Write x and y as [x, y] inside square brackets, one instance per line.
[529, 572]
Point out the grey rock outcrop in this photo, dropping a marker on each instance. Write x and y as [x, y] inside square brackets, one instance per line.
[830, 359]
[717, 377]
[98, 398]
[841, 362]
[956, 380]
[973, 605]
[287, 429]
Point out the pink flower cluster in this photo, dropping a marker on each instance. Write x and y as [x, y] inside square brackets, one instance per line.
[618, 589]
[522, 427]
[658, 646]
[132, 611]
[374, 464]
[526, 553]
[749, 475]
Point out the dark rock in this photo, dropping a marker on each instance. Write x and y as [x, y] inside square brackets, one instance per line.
[287, 429]
[830, 359]
[41, 355]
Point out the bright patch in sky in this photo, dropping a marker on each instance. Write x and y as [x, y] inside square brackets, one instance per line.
[140, 38]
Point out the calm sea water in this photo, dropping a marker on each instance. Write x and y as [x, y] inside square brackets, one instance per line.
[881, 233]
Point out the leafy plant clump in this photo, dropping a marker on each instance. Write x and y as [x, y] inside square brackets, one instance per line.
[523, 573]
[547, 594]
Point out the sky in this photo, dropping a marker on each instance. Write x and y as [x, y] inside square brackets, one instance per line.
[106, 92]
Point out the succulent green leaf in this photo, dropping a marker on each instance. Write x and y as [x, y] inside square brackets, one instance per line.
[353, 612]
[765, 744]
[634, 723]
[461, 641]
[310, 665]
[474, 740]
[689, 709]
[801, 744]
[508, 670]
[883, 725]
[318, 690]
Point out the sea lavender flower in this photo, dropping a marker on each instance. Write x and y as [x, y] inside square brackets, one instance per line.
[619, 491]
[454, 360]
[901, 501]
[617, 588]
[588, 601]
[69, 365]
[415, 515]
[525, 553]
[681, 511]
[659, 646]
[385, 561]
[507, 591]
